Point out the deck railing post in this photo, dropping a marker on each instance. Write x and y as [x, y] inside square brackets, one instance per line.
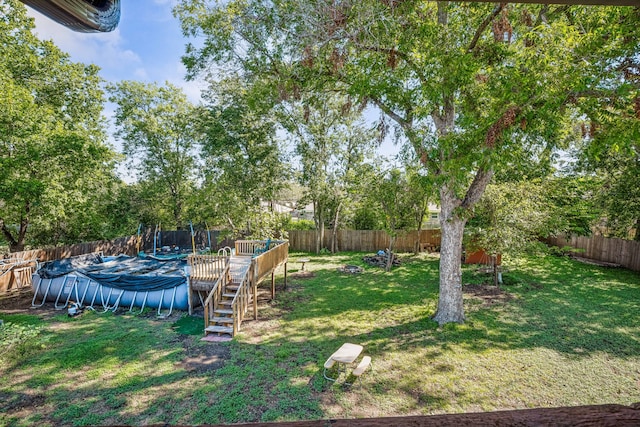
[254, 288]
[273, 284]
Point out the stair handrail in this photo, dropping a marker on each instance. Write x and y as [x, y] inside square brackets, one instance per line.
[241, 305]
[215, 295]
[247, 287]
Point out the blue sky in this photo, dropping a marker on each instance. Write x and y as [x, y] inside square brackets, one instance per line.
[146, 46]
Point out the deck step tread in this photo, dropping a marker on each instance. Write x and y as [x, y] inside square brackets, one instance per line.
[228, 295]
[223, 311]
[222, 320]
[219, 329]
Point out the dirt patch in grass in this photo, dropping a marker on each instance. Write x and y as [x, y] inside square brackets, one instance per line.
[20, 406]
[18, 402]
[489, 295]
[202, 357]
[20, 303]
[303, 275]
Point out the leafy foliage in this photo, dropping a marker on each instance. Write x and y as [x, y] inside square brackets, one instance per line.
[474, 87]
[508, 218]
[159, 139]
[511, 217]
[243, 162]
[332, 142]
[52, 150]
[20, 337]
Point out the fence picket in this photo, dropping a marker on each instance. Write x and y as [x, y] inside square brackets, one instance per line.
[625, 253]
[364, 240]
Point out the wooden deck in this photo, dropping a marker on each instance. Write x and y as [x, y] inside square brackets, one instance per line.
[231, 281]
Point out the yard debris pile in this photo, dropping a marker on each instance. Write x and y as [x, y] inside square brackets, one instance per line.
[352, 269]
[380, 259]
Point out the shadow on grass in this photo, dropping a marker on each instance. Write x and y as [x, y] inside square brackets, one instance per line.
[556, 303]
[105, 369]
[127, 370]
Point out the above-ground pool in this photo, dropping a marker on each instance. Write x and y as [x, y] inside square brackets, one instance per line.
[111, 282]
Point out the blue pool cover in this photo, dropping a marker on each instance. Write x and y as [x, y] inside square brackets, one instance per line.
[121, 272]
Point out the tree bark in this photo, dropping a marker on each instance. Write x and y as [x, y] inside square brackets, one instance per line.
[419, 220]
[334, 235]
[450, 301]
[319, 215]
[392, 241]
[637, 236]
[15, 245]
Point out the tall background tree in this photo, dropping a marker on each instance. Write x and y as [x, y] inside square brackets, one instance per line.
[156, 125]
[472, 87]
[52, 138]
[392, 192]
[468, 84]
[331, 141]
[243, 160]
[608, 114]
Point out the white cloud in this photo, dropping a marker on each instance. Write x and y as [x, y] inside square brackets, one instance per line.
[141, 73]
[105, 49]
[192, 89]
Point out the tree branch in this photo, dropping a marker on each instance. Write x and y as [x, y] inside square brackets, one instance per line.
[542, 16]
[483, 26]
[475, 191]
[391, 51]
[407, 125]
[7, 234]
[403, 122]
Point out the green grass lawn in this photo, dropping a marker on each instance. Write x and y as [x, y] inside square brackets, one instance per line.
[559, 333]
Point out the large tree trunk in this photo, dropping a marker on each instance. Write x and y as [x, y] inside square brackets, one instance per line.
[419, 221]
[334, 233]
[450, 301]
[17, 244]
[392, 241]
[319, 216]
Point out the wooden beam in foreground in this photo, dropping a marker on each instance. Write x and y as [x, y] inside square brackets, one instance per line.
[576, 2]
[584, 416]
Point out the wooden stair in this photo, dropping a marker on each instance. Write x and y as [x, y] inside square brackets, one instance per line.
[221, 324]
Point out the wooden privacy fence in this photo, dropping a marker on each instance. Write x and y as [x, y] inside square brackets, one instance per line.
[15, 274]
[122, 245]
[367, 240]
[625, 253]
[16, 268]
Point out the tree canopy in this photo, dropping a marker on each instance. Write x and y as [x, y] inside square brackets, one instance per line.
[52, 133]
[475, 88]
[242, 157]
[157, 127]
